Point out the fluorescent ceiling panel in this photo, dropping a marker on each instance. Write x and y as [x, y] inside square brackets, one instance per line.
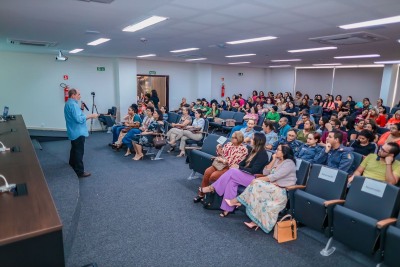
[328, 64]
[196, 59]
[312, 49]
[235, 63]
[370, 23]
[259, 39]
[148, 55]
[184, 50]
[285, 60]
[144, 24]
[242, 55]
[358, 56]
[99, 41]
[388, 62]
[280, 66]
[77, 50]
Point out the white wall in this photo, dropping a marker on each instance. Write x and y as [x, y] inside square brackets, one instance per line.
[252, 79]
[280, 80]
[30, 85]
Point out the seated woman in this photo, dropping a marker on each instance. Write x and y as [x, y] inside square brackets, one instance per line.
[241, 174]
[232, 153]
[363, 144]
[266, 196]
[289, 112]
[193, 132]
[176, 132]
[322, 125]
[382, 117]
[303, 106]
[131, 117]
[391, 136]
[252, 115]
[370, 125]
[146, 137]
[309, 127]
[213, 112]
[395, 119]
[309, 150]
[164, 111]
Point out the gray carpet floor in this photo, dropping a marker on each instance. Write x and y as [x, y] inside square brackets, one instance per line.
[141, 213]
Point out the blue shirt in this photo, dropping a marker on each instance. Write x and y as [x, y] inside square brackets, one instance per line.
[247, 133]
[283, 131]
[340, 158]
[271, 138]
[75, 120]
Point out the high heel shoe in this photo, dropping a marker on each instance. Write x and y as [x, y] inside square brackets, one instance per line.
[198, 199]
[207, 189]
[182, 154]
[127, 153]
[172, 148]
[251, 225]
[138, 157]
[231, 204]
[224, 214]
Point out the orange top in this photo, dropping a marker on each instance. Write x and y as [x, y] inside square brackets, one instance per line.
[382, 140]
[393, 121]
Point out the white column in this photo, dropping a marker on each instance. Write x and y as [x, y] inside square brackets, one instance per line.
[389, 87]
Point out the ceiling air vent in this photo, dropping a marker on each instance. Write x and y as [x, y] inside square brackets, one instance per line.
[98, 1]
[31, 43]
[349, 38]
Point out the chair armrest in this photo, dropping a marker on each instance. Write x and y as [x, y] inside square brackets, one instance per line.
[259, 175]
[192, 148]
[294, 187]
[385, 223]
[333, 202]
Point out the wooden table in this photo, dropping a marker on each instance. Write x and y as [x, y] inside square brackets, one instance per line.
[30, 228]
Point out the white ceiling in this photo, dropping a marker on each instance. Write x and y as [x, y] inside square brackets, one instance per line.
[202, 23]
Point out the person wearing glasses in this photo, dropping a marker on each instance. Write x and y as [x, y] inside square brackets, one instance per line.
[230, 154]
[382, 167]
[266, 196]
[240, 174]
[391, 136]
[289, 140]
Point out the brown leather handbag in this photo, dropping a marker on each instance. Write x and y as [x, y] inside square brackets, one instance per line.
[285, 230]
[159, 141]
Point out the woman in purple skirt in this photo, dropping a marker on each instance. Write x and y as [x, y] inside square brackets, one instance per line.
[242, 174]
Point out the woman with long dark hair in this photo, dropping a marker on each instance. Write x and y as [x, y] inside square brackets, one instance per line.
[240, 174]
[154, 98]
[266, 196]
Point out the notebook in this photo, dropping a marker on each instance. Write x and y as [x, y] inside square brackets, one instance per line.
[5, 112]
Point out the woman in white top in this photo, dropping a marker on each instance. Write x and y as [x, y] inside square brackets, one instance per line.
[193, 132]
[266, 196]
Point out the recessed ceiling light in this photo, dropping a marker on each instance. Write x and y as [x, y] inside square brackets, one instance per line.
[196, 59]
[398, 40]
[144, 24]
[328, 64]
[388, 62]
[371, 23]
[312, 49]
[280, 66]
[235, 63]
[266, 38]
[359, 66]
[321, 67]
[285, 60]
[75, 51]
[184, 50]
[99, 41]
[149, 55]
[242, 55]
[358, 56]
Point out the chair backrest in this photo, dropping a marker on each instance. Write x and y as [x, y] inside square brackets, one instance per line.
[302, 170]
[238, 117]
[373, 198]
[393, 110]
[381, 130]
[226, 114]
[261, 119]
[173, 117]
[210, 144]
[206, 126]
[326, 183]
[387, 109]
[356, 162]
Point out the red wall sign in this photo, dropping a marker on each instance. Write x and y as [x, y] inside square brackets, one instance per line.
[65, 77]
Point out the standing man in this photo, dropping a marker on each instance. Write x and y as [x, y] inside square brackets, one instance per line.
[77, 131]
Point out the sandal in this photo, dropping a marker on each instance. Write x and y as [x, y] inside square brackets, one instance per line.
[209, 187]
[171, 149]
[198, 199]
[224, 214]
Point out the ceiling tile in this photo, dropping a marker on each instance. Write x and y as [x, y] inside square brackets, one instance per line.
[203, 4]
[175, 12]
[213, 19]
[189, 26]
[286, 4]
[279, 18]
[245, 11]
[323, 8]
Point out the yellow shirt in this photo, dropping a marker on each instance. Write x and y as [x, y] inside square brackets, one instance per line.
[376, 169]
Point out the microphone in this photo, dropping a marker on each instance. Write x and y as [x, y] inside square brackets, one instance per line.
[85, 106]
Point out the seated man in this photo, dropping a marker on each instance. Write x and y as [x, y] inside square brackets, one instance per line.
[284, 127]
[302, 119]
[335, 155]
[289, 140]
[382, 167]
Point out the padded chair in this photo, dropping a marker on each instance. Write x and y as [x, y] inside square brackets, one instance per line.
[381, 130]
[199, 143]
[310, 205]
[302, 172]
[369, 208]
[154, 152]
[393, 110]
[224, 115]
[390, 245]
[356, 162]
[173, 118]
[108, 120]
[238, 117]
[200, 158]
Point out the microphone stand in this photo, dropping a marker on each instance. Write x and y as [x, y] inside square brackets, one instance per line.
[93, 108]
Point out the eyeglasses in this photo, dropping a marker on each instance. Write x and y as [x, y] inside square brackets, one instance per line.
[383, 150]
[233, 137]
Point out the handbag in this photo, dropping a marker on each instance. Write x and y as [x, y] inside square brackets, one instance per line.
[218, 165]
[159, 141]
[126, 129]
[218, 120]
[212, 201]
[285, 230]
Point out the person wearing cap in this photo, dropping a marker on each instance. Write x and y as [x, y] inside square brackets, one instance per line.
[335, 155]
[273, 115]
